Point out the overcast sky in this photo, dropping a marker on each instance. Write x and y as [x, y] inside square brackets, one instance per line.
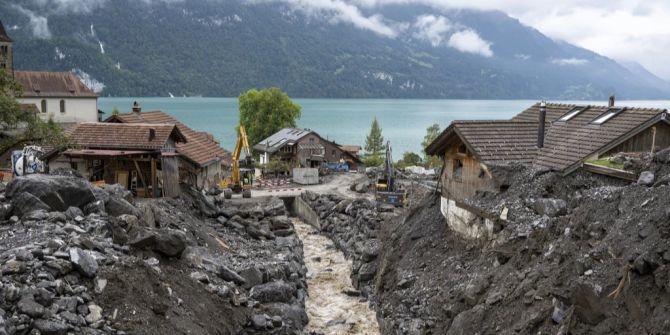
[626, 30]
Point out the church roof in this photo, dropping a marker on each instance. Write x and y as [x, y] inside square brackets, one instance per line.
[52, 84]
[3, 34]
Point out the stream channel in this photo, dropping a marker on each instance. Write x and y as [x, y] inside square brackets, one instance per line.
[330, 309]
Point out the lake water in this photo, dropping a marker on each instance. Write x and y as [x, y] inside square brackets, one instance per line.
[346, 121]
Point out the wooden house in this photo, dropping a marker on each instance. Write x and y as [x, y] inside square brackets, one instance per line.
[556, 137]
[141, 157]
[303, 148]
[202, 161]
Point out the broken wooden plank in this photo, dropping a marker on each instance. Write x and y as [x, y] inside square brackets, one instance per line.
[616, 173]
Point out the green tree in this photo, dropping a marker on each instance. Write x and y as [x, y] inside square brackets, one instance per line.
[265, 112]
[374, 142]
[432, 133]
[22, 124]
[409, 159]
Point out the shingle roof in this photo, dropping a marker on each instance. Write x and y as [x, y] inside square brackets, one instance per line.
[3, 34]
[200, 147]
[123, 136]
[499, 142]
[278, 139]
[566, 143]
[52, 84]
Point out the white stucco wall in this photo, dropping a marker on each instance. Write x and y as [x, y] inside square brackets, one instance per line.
[76, 109]
[63, 162]
[465, 222]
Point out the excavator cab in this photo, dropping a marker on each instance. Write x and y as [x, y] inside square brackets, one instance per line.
[387, 191]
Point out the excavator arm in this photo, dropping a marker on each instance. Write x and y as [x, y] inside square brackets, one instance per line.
[242, 144]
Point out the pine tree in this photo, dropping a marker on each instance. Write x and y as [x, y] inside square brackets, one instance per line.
[374, 142]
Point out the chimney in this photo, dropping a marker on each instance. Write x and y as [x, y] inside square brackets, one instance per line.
[136, 107]
[152, 134]
[611, 101]
[540, 124]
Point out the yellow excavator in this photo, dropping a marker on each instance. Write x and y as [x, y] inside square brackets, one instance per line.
[243, 170]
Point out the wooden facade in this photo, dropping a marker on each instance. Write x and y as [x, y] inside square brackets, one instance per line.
[463, 173]
[652, 138]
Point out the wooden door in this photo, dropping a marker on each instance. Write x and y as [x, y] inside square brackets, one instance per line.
[122, 178]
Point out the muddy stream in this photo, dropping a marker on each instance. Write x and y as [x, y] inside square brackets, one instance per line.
[330, 310]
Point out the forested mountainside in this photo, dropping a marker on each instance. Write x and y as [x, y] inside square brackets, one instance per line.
[223, 48]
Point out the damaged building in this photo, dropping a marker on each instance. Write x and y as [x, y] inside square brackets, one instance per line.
[555, 137]
[140, 157]
[304, 148]
[202, 161]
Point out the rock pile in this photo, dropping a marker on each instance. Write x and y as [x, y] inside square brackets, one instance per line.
[87, 260]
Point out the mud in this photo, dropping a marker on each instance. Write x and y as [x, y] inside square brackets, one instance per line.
[332, 305]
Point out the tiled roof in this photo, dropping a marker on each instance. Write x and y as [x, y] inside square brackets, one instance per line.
[123, 136]
[566, 143]
[200, 147]
[52, 84]
[351, 148]
[278, 139]
[499, 142]
[3, 34]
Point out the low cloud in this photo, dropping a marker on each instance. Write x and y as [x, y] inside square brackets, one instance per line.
[468, 41]
[70, 6]
[432, 28]
[340, 11]
[569, 61]
[38, 24]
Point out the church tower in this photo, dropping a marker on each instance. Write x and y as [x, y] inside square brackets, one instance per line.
[6, 57]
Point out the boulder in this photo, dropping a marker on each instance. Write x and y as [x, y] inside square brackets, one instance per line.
[369, 250]
[588, 306]
[170, 243]
[551, 207]
[646, 178]
[204, 204]
[57, 192]
[276, 291]
[229, 275]
[83, 262]
[252, 276]
[281, 222]
[367, 271]
[73, 212]
[275, 207]
[51, 327]
[362, 187]
[119, 206]
[25, 203]
[28, 306]
[96, 207]
[259, 321]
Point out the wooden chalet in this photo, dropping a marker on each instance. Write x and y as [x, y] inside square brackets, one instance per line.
[303, 148]
[141, 157]
[558, 137]
[201, 159]
[569, 136]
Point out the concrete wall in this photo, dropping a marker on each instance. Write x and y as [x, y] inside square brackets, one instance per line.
[306, 213]
[306, 176]
[464, 222]
[63, 162]
[76, 109]
[209, 176]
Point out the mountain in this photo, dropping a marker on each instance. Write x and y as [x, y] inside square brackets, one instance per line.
[224, 47]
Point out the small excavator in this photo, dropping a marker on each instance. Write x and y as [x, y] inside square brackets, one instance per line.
[386, 190]
[243, 170]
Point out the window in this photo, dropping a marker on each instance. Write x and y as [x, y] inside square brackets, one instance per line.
[572, 113]
[44, 106]
[462, 149]
[332, 152]
[604, 117]
[457, 170]
[62, 106]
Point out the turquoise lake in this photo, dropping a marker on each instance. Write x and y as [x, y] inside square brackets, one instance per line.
[346, 121]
